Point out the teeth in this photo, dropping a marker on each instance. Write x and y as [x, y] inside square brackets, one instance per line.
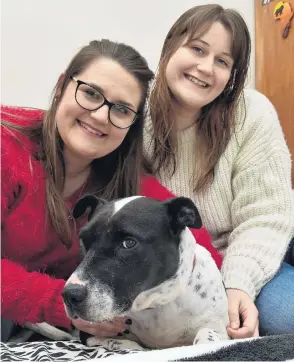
[90, 129]
[197, 81]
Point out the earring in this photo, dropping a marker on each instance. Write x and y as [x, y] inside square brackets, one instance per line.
[230, 88]
[233, 81]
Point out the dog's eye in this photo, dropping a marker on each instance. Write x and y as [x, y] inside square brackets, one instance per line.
[129, 243]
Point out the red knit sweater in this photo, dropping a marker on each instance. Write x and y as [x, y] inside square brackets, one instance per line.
[35, 264]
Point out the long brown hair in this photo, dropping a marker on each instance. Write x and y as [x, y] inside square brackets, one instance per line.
[115, 175]
[216, 120]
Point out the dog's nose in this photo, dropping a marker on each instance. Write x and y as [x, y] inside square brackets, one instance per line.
[74, 293]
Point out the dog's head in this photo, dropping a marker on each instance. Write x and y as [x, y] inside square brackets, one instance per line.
[132, 245]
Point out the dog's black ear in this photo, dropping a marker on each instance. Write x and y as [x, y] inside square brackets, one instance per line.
[183, 212]
[81, 206]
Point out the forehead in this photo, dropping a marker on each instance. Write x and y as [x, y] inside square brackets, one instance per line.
[115, 81]
[133, 212]
[217, 37]
[138, 208]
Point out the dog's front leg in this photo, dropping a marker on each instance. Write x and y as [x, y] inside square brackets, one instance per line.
[114, 344]
[207, 335]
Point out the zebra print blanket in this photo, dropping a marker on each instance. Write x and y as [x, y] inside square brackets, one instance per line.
[274, 348]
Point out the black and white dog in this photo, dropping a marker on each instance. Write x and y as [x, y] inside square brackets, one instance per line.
[142, 261]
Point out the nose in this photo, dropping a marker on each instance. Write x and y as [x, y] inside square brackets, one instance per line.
[74, 294]
[206, 66]
[101, 114]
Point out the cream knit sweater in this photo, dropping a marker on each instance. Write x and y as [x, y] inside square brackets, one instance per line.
[249, 208]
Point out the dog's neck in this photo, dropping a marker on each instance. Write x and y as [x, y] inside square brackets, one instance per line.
[172, 288]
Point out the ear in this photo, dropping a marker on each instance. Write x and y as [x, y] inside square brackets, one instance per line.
[183, 212]
[81, 206]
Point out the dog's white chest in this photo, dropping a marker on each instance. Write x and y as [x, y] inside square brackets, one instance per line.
[202, 302]
[162, 327]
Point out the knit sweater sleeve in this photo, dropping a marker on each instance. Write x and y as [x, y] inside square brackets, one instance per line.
[31, 297]
[25, 296]
[262, 211]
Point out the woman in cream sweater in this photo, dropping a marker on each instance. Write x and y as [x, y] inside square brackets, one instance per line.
[223, 146]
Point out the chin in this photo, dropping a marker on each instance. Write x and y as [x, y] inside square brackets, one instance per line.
[89, 157]
[193, 106]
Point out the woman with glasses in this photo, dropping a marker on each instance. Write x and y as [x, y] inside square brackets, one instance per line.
[89, 140]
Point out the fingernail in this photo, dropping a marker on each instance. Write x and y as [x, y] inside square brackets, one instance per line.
[126, 331]
[119, 334]
[234, 325]
[129, 321]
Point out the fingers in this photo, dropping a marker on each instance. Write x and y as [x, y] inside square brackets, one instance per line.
[250, 320]
[240, 333]
[244, 332]
[256, 330]
[241, 305]
[250, 317]
[234, 317]
[107, 329]
[121, 321]
[250, 324]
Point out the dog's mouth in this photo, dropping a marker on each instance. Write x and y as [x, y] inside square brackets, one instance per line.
[69, 311]
[74, 314]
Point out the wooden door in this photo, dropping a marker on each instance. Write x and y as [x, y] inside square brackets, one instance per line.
[274, 71]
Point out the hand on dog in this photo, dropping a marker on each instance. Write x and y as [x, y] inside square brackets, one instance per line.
[243, 315]
[102, 330]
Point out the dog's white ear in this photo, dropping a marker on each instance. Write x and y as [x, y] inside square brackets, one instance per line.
[86, 201]
[183, 213]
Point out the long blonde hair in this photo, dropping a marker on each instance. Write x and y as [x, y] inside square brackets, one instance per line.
[216, 121]
[122, 168]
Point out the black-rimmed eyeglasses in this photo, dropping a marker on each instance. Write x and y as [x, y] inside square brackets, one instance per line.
[91, 99]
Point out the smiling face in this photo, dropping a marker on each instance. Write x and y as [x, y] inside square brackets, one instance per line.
[198, 72]
[88, 135]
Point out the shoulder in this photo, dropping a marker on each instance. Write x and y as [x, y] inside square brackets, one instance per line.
[15, 141]
[15, 146]
[254, 107]
[254, 98]
[16, 156]
[257, 116]
[21, 115]
[258, 135]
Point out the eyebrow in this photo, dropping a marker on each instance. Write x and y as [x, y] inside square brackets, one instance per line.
[124, 103]
[205, 43]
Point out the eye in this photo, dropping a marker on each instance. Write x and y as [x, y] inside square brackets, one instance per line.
[198, 50]
[89, 92]
[92, 94]
[222, 62]
[129, 243]
[118, 108]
